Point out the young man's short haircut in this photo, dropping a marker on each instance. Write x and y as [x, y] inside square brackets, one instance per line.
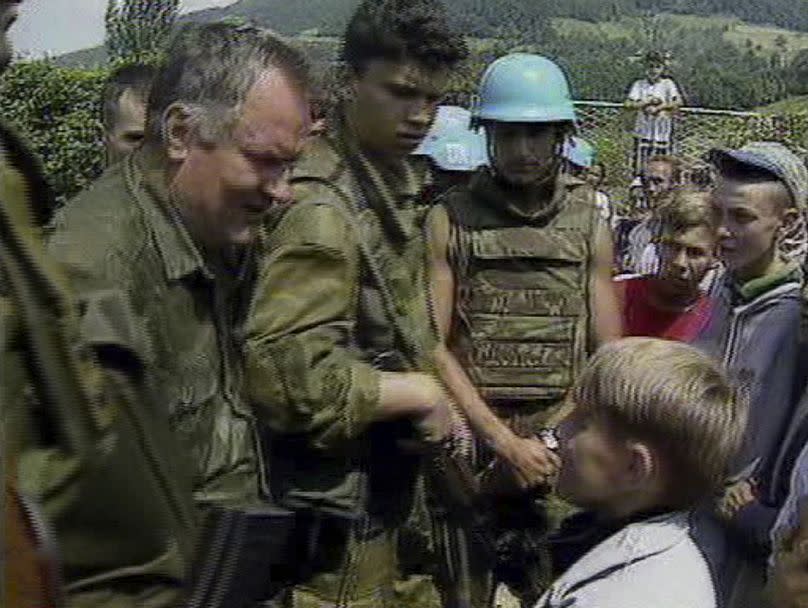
[135, 77]
[735, 171]
[676, 165]
[689, 209]
[399, 30]
[675, 398]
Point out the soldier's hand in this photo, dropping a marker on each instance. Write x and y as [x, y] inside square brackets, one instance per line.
[435, 424]
[531, 462]
[788, 585]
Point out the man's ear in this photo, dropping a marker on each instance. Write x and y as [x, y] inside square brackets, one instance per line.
[789, 217]
[177, 132]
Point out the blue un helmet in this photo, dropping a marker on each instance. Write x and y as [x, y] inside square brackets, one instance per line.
[522, 87]
[579, 152]
[452, 144]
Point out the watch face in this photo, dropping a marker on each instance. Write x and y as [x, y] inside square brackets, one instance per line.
[549, 438]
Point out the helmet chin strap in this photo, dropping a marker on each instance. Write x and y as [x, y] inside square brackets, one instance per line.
[549, 177]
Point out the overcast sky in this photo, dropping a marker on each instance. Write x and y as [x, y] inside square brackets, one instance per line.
[60, 26]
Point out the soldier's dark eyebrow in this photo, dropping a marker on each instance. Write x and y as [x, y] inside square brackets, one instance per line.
[402, 88]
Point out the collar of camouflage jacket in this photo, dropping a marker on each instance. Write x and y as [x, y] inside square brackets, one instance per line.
[147, 180]
[386, 187]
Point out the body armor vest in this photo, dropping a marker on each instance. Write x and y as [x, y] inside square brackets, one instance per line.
[522, 315]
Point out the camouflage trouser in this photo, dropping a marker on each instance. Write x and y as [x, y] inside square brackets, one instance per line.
[155, 597]
[519, 523]
[360, 574]
[427, 543]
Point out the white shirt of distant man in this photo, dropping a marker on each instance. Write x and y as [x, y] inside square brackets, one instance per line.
[654, 127]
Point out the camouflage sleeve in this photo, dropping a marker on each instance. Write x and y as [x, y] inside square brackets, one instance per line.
[301, 374]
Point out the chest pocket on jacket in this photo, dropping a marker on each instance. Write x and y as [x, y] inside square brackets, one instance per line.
[528, 271]
[187, 361]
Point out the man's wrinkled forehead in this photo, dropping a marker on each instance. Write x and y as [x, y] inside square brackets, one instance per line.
[277, 138]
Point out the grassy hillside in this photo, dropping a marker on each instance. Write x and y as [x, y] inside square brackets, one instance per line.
[744, 35]
[792, 105]
[293, 17]
[720, 62]
[736, 31]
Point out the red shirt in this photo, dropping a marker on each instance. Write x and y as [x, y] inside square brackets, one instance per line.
[642, 318]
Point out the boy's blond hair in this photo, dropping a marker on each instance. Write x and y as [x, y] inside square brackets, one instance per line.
[676, 399]
[689, 209]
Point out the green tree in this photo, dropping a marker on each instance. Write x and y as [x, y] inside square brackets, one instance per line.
[57, 110]
[781, 44]
[798, 74]
[136, 28]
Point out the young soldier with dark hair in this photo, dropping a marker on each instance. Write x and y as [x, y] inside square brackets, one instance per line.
[123, 109]
[340, 331]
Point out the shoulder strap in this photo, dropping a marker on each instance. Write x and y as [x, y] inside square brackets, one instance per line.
[48, 320]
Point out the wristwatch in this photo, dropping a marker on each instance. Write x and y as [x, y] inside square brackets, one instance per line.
[550, 439]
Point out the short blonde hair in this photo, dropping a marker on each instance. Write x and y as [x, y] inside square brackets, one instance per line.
[689, 209]
[676, 399]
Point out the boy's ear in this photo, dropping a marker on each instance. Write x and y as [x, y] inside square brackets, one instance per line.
[642, 463]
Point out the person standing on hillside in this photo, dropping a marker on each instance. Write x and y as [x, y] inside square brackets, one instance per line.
[657, 99]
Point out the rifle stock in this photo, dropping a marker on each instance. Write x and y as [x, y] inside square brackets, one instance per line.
[30, 561]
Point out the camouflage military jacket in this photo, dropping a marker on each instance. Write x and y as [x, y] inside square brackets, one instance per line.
[90, 446]
[124, 231]
[320, 327]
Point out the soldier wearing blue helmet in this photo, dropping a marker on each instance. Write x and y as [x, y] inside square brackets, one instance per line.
[579, 155]
[520, 257]
[454, 149]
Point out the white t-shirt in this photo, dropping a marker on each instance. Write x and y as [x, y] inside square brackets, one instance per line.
[604, 206]
[656, 127]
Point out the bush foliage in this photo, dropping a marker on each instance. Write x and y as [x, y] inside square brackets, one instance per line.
[57, 111]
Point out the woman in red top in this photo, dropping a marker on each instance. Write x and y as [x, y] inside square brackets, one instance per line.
[671, 304]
